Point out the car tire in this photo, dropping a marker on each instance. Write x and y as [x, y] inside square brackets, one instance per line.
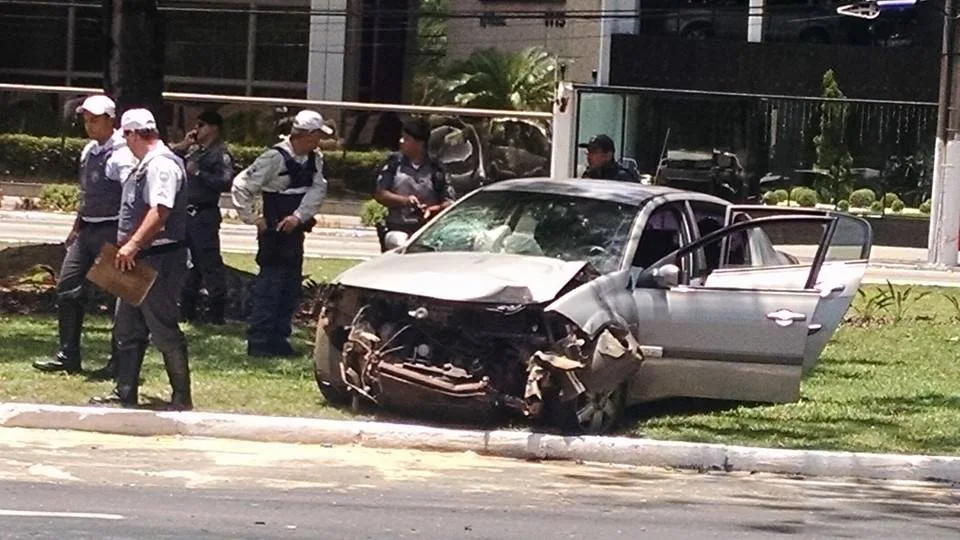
[326, 371]
[590, 413]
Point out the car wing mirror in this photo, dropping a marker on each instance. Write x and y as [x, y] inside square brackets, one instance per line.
[395, 239]
[667, 275]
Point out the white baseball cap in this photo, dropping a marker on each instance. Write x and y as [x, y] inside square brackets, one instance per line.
[98, 104]
[307, 120]
[136, 119]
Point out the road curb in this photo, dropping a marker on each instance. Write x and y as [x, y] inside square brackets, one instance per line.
[502, 443]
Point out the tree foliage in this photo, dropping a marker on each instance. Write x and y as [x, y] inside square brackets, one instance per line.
[833, 155]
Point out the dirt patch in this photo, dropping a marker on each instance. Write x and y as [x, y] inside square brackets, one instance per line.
[28, 278]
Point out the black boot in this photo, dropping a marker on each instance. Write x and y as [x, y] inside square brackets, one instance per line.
[108, 372]
[126, 391]
[70, 326]
[215, 310]
[188, 308]
[178, 371]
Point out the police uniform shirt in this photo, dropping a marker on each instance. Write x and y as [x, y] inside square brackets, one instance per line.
[118, 167]
[263, 175]
[164, 178]
[410, 179]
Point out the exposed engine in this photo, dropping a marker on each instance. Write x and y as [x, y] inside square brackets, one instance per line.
[412, 352]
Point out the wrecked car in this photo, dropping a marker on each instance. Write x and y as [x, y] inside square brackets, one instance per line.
[565, 300]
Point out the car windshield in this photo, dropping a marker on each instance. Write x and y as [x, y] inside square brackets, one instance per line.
[538, 224]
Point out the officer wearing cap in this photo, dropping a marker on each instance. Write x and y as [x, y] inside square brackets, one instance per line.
[209, 166]
[601, 163]
[104, 163]
[289, 178]
[410, 184]
[151, 231]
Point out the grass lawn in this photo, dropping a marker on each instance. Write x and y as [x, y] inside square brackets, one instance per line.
[887, 386]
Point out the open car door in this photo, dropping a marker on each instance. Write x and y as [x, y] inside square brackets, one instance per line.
[784, 261]
[734, 339]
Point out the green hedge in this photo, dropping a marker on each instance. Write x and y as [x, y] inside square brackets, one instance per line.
[52, 159]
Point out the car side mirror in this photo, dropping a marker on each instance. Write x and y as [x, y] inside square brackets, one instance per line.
[667, 276]
[395, 239]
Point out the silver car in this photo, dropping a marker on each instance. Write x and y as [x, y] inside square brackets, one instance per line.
[566, 300]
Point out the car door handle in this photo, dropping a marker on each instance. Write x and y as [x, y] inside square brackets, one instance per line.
[785, 317]
[826, 292]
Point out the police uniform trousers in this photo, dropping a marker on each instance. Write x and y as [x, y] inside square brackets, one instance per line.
[207, 268]
[72, 290]
[275, 295]
[156, 319]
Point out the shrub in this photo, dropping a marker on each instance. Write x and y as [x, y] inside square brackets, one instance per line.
[51, 158]
[795, 193]
[889, 199]
[876, 206]
[925, 207]
[770, 198]
[843, 205]
[805, 197]
[862, 198]
[60, 197]
[372, 213]
[782, 195]
[897, 206]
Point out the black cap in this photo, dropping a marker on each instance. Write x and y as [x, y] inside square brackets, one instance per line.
[600, 142]
[211, 117]
[418, 128]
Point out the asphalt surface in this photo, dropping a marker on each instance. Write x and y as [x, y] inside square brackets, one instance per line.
[56, 484]
[898, 265]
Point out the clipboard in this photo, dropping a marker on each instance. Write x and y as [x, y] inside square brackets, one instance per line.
[132, 287]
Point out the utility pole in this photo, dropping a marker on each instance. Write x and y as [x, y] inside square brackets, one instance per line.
[134, 56]
[942, 242]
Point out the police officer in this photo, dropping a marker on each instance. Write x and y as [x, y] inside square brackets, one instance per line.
[210, 172]
[601, 162]
[152, 231]
[104, 163]
[411, 185]
[289, 177]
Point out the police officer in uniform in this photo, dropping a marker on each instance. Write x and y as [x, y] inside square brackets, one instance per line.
[152, 231]
[210, 172]
[411, 185]
[601, 162]
[104, 163]
[289, 177]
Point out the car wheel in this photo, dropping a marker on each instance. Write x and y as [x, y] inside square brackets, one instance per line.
[591, 413]
[326, 371]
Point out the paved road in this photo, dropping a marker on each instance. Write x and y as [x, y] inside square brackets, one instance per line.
[83, 485]
[899, 265]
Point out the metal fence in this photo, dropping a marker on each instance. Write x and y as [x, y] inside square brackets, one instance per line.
[890, 142]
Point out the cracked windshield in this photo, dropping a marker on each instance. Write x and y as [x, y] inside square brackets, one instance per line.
[543, 225]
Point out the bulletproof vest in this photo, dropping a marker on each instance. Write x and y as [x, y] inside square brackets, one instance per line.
[209, 160]
[101, 195]
[134, 205]
[414, 183]
[278, 205]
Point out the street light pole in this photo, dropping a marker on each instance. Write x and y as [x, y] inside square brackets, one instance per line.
[942, 241]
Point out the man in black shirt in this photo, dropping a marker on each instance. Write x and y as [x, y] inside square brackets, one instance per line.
[601, 163]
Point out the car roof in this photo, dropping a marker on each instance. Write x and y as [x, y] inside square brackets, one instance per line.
[606, 190]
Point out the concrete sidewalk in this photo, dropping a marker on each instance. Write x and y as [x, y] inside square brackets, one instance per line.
[502, 443]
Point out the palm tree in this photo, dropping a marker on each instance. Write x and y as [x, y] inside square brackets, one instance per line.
[493, 79]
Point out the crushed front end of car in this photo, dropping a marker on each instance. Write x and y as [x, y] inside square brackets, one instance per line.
[458, 359]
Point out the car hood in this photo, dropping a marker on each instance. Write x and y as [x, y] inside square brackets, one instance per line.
[465, 277]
